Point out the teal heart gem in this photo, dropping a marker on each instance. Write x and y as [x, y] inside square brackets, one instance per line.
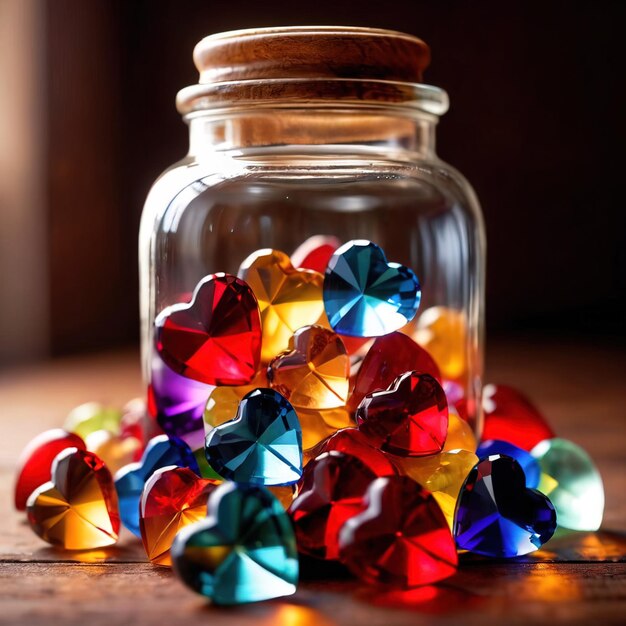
[262, 445]
[572, 482]
[244, 551]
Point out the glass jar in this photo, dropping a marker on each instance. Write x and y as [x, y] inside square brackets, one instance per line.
[309, 131]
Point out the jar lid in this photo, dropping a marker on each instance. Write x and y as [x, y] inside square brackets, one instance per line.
[311, 52]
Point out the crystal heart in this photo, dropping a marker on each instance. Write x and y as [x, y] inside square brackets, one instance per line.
[77, 509]
[314, 372]
[173, 497]
[244, 551]
[315, 252]
[573, 483]
[116, 451]
[364, 295]
[409, 419]
[161, 451]
[497, 515]
[389, 357]
[319, 424]
[91, 416]
[216, 338]
[525, 459]
[330, 492]
[401, 539]
[460, 434]
[288, 298]
[262, 445]
[35, 462]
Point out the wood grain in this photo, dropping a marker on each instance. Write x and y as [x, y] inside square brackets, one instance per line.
[579, 578]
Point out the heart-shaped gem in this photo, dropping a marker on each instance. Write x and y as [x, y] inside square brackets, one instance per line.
[389, 357]
[497, 515]
[314, 372]
[92, 416]
[35, 462]
[409, 419]
[510, 416]
[529, 464]
[262, 445]
[401, 539]
[244, 551]
[318, 424]
[77, 509]
[173, 497]
[161, 451]
[573, 483]
[288, 298]
[460, 434]
[116, 451]
[442, 474]
[331, 491]
[216, 338]
[315, 252]
[353, 442]
[364, 295]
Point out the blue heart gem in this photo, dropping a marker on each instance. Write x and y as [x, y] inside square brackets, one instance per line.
[497, 515]
[160, 452]
[262, 445]
[364, 295]
[529, 464]
[244, 551]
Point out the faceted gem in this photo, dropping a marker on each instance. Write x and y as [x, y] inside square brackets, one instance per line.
[529, 464]
[216, 338]
[460, 433]
[244, 551]
[91, 416]
[161, 451]
[314, 372]
[35, 462]
[443, 332]
[331, 491]
[412, 546]
[497, 515]
[353, 442]
[315, 253]
[262, 445]
[572, 482]
[389, 357]
[174, 401]
[364, 295]
[509, 416]
[77, 509]
[442, 474]
[317, 425]
[288, 298]
[173, 497]
[115, 450]
[409, 419]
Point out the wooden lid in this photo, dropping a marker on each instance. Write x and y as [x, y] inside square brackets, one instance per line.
[311, 52]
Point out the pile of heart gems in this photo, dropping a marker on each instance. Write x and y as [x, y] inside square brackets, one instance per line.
[291, 411]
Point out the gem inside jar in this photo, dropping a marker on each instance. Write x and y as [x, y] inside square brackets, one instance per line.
[572, 482]
[243, 551]
[529, 464]
[216, 338]
[497, 515]
[262, 445]
[77, 508]
[365, 295]
[408, 419]
[173, 497]
[401, 539]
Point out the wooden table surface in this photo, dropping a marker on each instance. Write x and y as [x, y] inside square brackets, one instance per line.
[577, 579]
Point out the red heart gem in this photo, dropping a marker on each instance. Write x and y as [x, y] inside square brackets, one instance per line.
[401, 539]
[35, 463]
[409, 419]
[511, 417]
[390, 356]
[216, 338]
[331, 491]
[315, 252]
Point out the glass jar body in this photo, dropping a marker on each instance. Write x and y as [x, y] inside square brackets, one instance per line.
[234, 195]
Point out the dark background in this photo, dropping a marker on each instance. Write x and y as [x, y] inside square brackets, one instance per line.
[537, 124]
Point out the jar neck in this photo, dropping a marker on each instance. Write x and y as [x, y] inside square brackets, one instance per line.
[380, 130]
